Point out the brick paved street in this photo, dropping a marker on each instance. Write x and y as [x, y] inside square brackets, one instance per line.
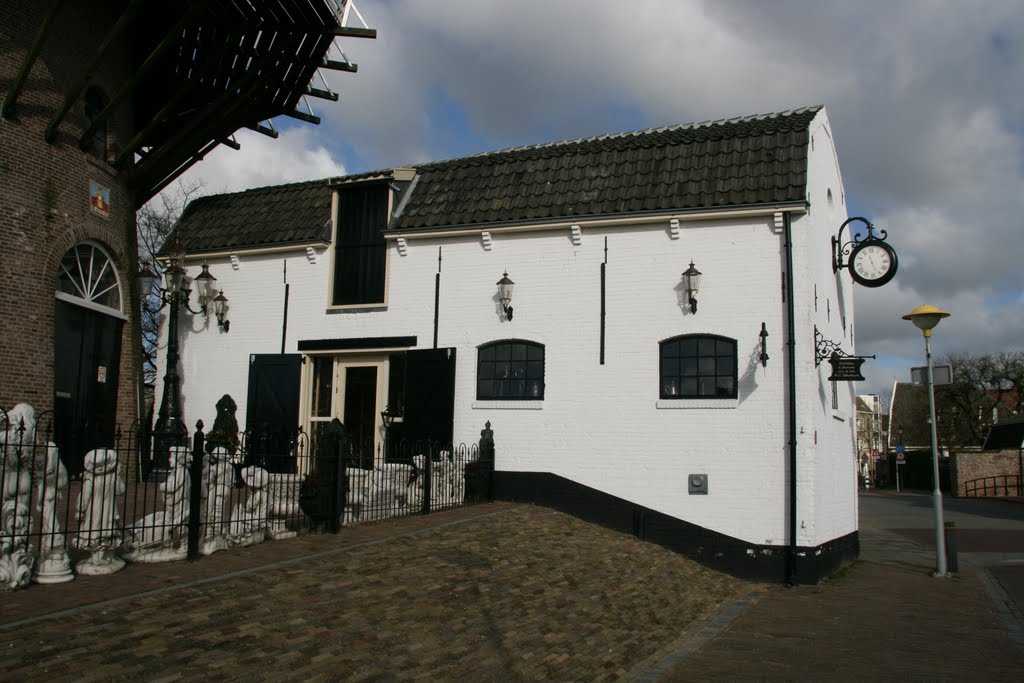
[520, 593]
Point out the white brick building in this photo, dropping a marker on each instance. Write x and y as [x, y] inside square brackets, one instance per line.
[624, 395]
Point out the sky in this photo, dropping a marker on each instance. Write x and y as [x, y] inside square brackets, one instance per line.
[925, 99]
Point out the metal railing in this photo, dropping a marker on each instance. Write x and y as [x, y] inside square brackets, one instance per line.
[212, 494]
[1000, 485]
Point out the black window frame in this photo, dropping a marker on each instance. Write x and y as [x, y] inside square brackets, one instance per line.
[496, 363]
[692, 347]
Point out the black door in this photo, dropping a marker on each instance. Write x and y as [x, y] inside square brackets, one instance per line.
[87, 361]
[429, 395]
[360, 416]
[272, 410]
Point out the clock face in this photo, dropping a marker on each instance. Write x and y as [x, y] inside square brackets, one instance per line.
[873, 263]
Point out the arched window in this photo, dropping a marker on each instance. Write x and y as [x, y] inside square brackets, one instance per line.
[95, 102]
[510, 369]
[88, 273]
[698, 366]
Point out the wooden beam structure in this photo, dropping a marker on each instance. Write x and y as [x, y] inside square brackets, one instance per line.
[30, 59]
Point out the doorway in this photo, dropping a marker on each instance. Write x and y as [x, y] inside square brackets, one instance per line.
[360, 413]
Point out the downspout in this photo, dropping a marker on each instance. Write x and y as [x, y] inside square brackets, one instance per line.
[791, 343]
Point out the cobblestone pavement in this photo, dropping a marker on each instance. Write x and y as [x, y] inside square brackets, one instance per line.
[499, 592]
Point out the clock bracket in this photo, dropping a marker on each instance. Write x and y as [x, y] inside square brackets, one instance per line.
[841, 250]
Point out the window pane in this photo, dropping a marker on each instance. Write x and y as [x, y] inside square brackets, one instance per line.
[535, 352]
[519, 369]
[518, 352]
[670, 367]
[484, 389]
[706, 347]
[725, 347]
[726, 388]
[503, 351]
[688, 366]
[688, 347]
[724, 366]
[670, 387]
[486, 371]
[535, 370]
[707, 366]
[535, 388]
[670, 349]
[486, 353]
[689, 387]
[323, 382]
[707, 386]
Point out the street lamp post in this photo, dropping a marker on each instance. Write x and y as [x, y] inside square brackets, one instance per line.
[925, 318]
[169, 429]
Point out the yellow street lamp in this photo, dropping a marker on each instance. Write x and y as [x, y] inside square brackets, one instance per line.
[925, 318]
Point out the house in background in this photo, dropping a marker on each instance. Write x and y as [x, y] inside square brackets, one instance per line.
[548, 290]
[103, 105]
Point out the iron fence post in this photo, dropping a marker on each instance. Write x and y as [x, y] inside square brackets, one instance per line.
[195, 499]
[487, 460]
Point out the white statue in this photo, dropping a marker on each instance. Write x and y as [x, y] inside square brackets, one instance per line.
[284, 504]
[16, 462]
[163, 536]
[358, 483]
[54, 564]
[218, 478]
[249, 518]
[98, 521]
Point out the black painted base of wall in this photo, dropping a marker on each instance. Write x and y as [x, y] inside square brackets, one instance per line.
[710, 548]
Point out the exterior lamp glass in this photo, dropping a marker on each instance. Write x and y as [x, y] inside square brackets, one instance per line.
[147, 278]
[173, 277]
[205, 283]
[505, 294]
[691, 280]
[387, 417]
[220, 309]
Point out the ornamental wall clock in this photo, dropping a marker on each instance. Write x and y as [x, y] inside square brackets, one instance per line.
[871, 261]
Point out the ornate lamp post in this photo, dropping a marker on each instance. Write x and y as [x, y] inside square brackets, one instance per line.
[925, 318]
[169, 429]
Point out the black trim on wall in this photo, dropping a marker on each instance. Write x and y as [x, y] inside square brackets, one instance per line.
[350, 343]
[710, 548]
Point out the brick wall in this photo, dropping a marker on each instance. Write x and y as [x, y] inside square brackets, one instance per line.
[975, 465]
[44, 197]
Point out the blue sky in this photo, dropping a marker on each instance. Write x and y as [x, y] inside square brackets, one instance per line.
[924, 97]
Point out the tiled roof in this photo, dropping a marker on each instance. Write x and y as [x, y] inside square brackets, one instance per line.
[266, 216]
[740, 162]
[716, 164]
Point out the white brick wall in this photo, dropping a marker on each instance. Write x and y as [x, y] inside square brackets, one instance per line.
[599, 424]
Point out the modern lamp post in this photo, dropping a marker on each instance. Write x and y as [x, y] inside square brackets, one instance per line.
[925, 318]
[169, 429]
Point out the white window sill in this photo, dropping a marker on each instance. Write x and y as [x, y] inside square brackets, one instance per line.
[508, 405]
[696, 403]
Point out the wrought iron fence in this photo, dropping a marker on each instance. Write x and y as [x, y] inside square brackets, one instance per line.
[208, 492]
[1000, 485]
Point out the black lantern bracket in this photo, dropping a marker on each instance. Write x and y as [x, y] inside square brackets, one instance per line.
[763, 356]
[842, 249]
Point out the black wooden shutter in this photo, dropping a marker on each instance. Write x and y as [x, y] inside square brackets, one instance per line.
[272, 408]
[429, 395]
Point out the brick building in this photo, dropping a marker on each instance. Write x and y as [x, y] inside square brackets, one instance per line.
[700, 419]
[104, 104]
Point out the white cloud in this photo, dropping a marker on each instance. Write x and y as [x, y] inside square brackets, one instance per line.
[297, 154]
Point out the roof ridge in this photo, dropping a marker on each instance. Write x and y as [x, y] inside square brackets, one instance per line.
[626, 134]
[267, 188]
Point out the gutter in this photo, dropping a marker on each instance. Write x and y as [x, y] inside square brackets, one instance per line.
[791, 554]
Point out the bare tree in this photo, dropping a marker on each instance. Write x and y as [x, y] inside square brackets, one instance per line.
[154, 222]
[985, 388]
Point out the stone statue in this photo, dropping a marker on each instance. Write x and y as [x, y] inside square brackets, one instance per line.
[163, 536]
[54, 563]
[249, 518]
[218, 478]
[17, 442]
[98, 521]
[224, 433]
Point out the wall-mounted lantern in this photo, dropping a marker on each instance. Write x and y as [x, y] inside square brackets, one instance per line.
[505, 294]
[220, 309]
[691, 281]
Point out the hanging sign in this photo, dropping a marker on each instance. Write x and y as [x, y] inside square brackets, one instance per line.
[845, 369]
[99, 198]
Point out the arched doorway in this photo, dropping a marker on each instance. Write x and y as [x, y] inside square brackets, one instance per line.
[88, 318]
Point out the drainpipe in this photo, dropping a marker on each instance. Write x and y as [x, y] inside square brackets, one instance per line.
[791, 342]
